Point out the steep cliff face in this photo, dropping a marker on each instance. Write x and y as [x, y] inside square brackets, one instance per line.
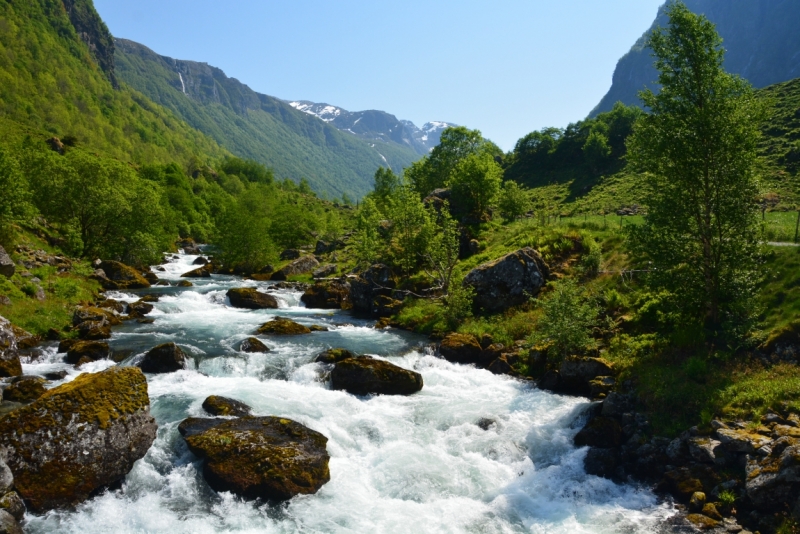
[760, 37]
[94, 32]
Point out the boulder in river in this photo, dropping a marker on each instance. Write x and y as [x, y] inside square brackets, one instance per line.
[365, 375]
[200, 272]
[78, 437]
[11, 503]
[92, 350]
[268, 458]
[9, 525]
[200, 260]
[461, 348]
[508, 281]
[280, 326]
[251, 299]
[302, 265]
[327, 295]
[94, 330]
[25, 389]
[367, 287]
[578, 373]
[218, 405]
[9, 357]
[121, 276]
[7, 267]
[140, 308]
[165, 358]
[97, 313]
[253, 344]
[334, 356]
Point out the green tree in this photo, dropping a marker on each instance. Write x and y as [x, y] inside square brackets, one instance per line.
[368, 244]
[475, 183]
[410, 229]
[567, 319]
[697, 148]
[513, 201]
[441, 254]
[14, 197]
[386, 185]
[244, 232]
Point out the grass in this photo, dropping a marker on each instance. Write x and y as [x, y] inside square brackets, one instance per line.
[779, 295]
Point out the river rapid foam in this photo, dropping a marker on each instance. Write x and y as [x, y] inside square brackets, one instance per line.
[398, 464]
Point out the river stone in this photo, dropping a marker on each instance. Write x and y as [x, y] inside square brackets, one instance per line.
[93, 350]
[139, 308]
[368, 286]
[9, 357]
[508, 281]
[364, 376]
[78, 437]
[185, 283]
[251, 299]
[165, 358]
[280, 326]
[602, 462]
[7, 267]
[268, 458]
[9, 525]
[253, 344]
[334, 356]
[97, 313]
[121, 276]
[196, 425]
[25, 389]
[200, 272]
[302, 265]
[6, 478]
[217, 405]
[461, 348]
[12, 503]
[602, 432]
[327, 295]
[94, 330]
[200, 260]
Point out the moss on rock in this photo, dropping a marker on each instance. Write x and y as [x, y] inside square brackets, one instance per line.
[280, 326]
[365, 376]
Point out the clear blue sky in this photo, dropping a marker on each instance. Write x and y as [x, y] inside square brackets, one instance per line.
[506, 67]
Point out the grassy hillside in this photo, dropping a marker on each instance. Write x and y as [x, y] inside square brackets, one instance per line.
[251, 125]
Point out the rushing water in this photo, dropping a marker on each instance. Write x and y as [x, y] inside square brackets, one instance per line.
[398, 464]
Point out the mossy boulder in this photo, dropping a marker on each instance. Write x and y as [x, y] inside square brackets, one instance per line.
[370, 284]
[93, 350]
[508, 281]
[94, 330]
[121, 276]
[702, 522]
[280, 326]
[164, 358]
[200, 272]
[12, 503]
[217, 405]
[334, 356]
[253, 344]
[97, 314]
[327, 295]
[268, 458]
[250, 298]
[140, 308]
[9, 357]
[461, 348]
[78, 437]
[302, 265]
[365, 376]
[185, 283]
[577, 374]
[25, 389]
[9, 525]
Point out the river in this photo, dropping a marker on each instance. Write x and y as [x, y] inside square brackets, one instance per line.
[398, 464]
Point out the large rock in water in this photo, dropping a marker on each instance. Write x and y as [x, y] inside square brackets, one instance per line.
[462, 348]
[364, 375]
[302, 265]
[9, 357]
[251, 299]
[78, 437]
[268, 458]
[368, 287]
[327, 295]
[165, 358]
[508, 281]
[7, 267]
[280, 326]
[218, 405]
[121, 276]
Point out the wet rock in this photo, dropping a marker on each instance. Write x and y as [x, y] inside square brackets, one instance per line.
[485, 423]
[616, 404]
[602, 432]
[200, 261]
[121, 276]
[334, 356]
[550, 381]
[702, 522]
[94, 330]
[9, 525]
[697, 501]
[508, 281]
[577, 373]
[200, 272]
[703, 449]
[217, 405]
[253, 344]
[196, 425]
[12, 503]
[364, 376]
[165, 358]
[268, 458]
[251, 299]
[325, 271]
[25, 389]
[148, 320]
[91, 350]
[185, 283]
[280, 326]
[602, 462]
[461, 348]
[302, 265]
[327, 295]
[9, 355]
[500, 366]
[366, 287]
[78, 437]
[318, 328]
[6, 478]
[7, 266]
[139, 308]
[111, 304]
[56, 375]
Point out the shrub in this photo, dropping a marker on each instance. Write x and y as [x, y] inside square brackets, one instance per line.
[568, 316]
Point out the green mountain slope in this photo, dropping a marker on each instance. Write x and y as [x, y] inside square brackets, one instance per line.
[52, 81]
[258, 126]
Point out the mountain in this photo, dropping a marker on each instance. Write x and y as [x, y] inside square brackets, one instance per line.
[260, 127]
[760, 36]
[376, 125]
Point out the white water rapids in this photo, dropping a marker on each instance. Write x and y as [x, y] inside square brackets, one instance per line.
[398, 464]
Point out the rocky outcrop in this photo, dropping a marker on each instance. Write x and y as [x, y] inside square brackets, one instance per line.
[364, 376]
[251, 299]
[78, 437]
[165, 358]
[253, 344]
[327, 295]
[79, 351]
[302, 265]
[280, 326]
[7, 267]
[508, 281]
[589, 377]
[268, 458]
[369, 288]
[9, 355]
[25, 389]
[121, 276]
[325, 271]
[217, 405]
[326, 247]
[462, 348]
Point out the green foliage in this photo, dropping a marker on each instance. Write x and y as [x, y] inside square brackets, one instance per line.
[567, 319]
[727, 498]
[475, 183]
[513, 201]
[250, 170]
[700, 231]
[244, 232]
[592, 257]
[386, 185]
[441, 252]
[367, 241]
[14, 197]
[458, 305]
[411, 230]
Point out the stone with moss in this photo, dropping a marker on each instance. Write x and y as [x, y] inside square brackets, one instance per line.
[327, 295]
[25, 389]
[601, 432]
[96, 314]
[185, 283]
[12, 503]
[281, 326]
[94, 330]
[200, 272]
[78, 437]
[218, 405]
[462, 348]
[702, 522]
[139, 308]
[250, 298]
[164, 358]
[9, 525]
[334, 356]
[365, 376]
[91, 350]
[121, 276]
[508, 281]
[9, 356]
[253, 344]
[269, 458]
